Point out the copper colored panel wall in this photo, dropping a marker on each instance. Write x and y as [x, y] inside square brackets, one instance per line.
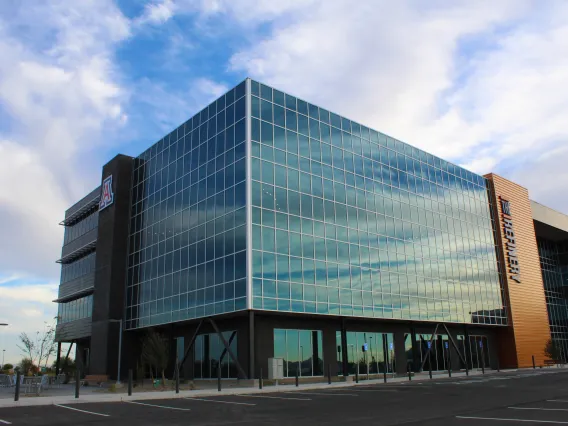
[528, 316]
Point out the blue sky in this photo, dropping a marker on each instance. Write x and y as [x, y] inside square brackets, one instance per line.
[483, 84]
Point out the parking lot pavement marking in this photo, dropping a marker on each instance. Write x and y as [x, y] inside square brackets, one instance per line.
[556, 400]
[220, 402]
[274, 397]
[6, 422]
[157, 406]
[536, 408]
[321, 393]
[510, 420]
[82, 411]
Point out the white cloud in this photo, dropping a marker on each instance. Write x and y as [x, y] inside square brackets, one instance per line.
[27, 308]
[480, 83]
[58, 88]
[157, 12]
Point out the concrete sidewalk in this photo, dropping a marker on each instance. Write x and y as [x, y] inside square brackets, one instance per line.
[168, 394]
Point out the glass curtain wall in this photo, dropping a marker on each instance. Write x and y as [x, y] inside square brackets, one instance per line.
[187, 248]
[207, 352]
[349, 221]
[554, 267]
[301, 350]
[366, 353]
[75, 309]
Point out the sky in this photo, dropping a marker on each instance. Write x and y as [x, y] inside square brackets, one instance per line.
[483, 84]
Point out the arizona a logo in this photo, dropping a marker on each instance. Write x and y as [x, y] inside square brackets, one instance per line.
[107, 197]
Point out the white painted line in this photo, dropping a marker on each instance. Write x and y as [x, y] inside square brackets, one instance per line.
[542, 409]
[82, 411]
[157, 406]
[216, 400]
[557, 400]
[510, 420]
[325, 394]
[6, 422]
[274, 397]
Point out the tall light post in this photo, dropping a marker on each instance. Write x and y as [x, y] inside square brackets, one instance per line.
[3, 324]
[119, 348]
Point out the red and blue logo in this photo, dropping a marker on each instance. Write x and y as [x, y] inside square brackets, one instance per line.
[107, 196]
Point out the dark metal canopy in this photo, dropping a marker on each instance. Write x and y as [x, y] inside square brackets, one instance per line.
[80, 252]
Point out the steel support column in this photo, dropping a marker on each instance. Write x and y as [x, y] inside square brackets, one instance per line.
[252, 346]
[344, 348]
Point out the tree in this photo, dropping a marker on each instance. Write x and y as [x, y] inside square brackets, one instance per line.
[28, 367]
[155, 353]
[39, 348]
[7, 367]
[552, 350]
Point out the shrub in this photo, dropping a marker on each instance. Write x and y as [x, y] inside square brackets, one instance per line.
[7, 367]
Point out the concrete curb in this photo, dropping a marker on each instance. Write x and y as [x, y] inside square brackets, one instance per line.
[94, 398]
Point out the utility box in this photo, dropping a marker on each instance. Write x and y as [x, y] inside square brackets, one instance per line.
[275, 368]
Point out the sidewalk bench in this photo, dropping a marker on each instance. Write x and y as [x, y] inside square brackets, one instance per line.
[95, 379]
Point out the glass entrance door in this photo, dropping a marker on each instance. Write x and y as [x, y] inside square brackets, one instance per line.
[479, 352]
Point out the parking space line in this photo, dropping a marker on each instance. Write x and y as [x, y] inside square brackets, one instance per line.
[220, 402]
[510, 420]
[536, 408]
[556, 400]
[157, 406]
[6, 422]
[274, 397]
[325, 394]
[82, 411]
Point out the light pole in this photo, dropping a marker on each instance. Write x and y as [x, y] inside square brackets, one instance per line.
[3, 324]
[119, 348]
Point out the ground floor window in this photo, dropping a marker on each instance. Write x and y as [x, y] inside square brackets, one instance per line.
[367, 353]
[301, 351]
[207, 352]
[477, 353]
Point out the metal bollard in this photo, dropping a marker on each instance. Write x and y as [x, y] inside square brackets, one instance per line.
[483, 368]
[357, 376]
[385, 374]
[429, 366]
[77, 382]
[498, 369]
[449, 366]
[534, 366]
[129, 382]
[328, 374]
[177, 379]
[297, 379]
[17, 394]
[219, 377]
[409, 372]
[260, 380]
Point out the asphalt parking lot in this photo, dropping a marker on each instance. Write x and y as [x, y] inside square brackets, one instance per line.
[528, 397]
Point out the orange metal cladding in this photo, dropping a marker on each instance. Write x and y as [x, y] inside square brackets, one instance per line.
[528, 329]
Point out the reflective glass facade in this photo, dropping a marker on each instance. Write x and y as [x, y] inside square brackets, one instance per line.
[187, 234]
[554, 266]
[348, 221]
[75, 310]
[344, 220]
[207, 352]
[366, 353]
[301, 350]
[80, 267]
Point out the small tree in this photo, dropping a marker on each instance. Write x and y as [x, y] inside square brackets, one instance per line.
[39, 348]
[155, 353]
[552, 350]
[28, 367]
[7, 367]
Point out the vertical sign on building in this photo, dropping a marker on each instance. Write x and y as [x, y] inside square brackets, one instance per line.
[107, 196]
[510, 241]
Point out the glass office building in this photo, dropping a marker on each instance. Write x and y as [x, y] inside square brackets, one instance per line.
[299, 234]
